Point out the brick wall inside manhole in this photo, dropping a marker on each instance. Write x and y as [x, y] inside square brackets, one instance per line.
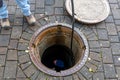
[50, 49]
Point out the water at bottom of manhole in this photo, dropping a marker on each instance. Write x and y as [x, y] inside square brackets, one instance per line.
[58, 57]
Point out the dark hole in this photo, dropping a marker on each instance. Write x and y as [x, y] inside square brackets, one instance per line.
[58, 57]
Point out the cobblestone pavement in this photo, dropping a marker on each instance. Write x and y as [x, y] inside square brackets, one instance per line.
[103, 38]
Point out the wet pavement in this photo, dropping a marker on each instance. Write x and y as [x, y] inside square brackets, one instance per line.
[103, 38]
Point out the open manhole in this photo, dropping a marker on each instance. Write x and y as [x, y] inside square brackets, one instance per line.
[50, 49]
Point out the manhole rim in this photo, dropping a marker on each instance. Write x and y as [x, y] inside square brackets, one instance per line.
[69, 71]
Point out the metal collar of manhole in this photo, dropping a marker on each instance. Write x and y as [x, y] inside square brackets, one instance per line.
[89, 11]
[50, 49]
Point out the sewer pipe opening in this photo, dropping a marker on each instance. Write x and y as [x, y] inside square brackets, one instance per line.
[50, 49]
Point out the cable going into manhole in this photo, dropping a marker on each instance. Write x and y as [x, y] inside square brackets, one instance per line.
[73, 21]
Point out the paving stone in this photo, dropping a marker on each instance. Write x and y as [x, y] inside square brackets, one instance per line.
[30, 70]
[23, 46]
[1, 71]
[12, 55]
[49, 2]
[114, 38]
[116, 13]
[109, 19]
[102, 34]
[20, 73]
[42, 76]
[4, 40]
[18, 21]
[75, 77]
[35, 75]
[3, 50]
[25, 65]
[24, 58]
[2, 60]
[21, 53]
[118, 72]
[95, 56]
[11, 9]
[80, 76]
[10, 69]
[91, 67]
[84, 71]
[94, 44]
[26, 36]
[109, 71]
[13, 44]
[104, 44]
[16, 32]
[98, 76]
[49, 10]
[116, 60]
[111, 29]
[115, 48]
[40, 3]
[3, 31]
[68, 78]
[107, 55]
[59, 10]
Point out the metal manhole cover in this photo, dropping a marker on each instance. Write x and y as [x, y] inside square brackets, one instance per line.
[89, 11]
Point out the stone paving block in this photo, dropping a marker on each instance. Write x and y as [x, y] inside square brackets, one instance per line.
[3, 31]
[111, 29]
[59, 10]
[1, 71]
[116, 60]
[49, 2]
[85, 72]
[115, 48]
[109, 19]
[10, 69]
[116, 13]
[16, 32]
[102, 34]
[117, 22]
[98, 76]
[49, 10]
[80, 76]
[68, 78]
[114, 38]
[20, 73]
[4, 40]
[35, 75]
[2, 60]
[94, 44]
[109, 71]
[95, 56]
[3, 50]
[107, 55]
[12, 55]
[26, 36]
[39, 10]
[23, 46]
[30, 70]
[25, 65]
[104, 44]
[24, 58]
[118, 72]
[40, 3]
[11, 9]
[13, 44]
[18, 21]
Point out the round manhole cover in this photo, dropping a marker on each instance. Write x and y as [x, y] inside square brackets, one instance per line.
[89, 11]
[50, 49]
